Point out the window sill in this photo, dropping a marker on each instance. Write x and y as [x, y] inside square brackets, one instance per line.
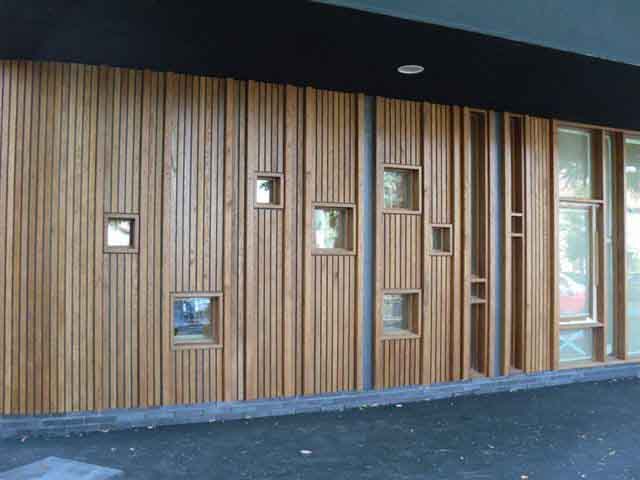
[580, 325]
[333, 251]
[269, 206]
[204, 345]
[399, 336]
[401, 211]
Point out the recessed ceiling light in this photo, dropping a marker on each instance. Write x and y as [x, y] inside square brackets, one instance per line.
[410, 69]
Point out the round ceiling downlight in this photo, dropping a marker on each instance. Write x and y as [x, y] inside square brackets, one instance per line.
[410, 69]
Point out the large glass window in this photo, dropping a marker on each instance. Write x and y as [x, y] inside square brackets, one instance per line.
[632, 194]
[576, 268]
[574, 163]
[579, 244]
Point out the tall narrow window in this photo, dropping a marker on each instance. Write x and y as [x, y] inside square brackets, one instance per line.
[609, 279]
[477, 250]
[575, 165]
[579, 246]
[576, 264]
[632, 199]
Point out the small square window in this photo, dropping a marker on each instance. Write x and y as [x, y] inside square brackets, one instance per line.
[121, 234]
[401, 313]
[196, 320]
[332, 228]
[401, 188]
[516, 224]
[441, 240]
[268, 191]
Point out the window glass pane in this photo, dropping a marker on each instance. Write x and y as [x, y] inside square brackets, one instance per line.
[632, 172]
[119, 233]
[575, 264]
[440, 240]
[609, 306]
[632, 177]
[574, 158]
[477, 194]
[265, 191]
[576, 345]
[396, 312]
[192, 319]
[330, 227]
[633, 279]
[398, 189]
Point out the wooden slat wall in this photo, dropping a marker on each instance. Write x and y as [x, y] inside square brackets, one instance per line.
[442, 178]
[539, 317]
[73, 139]
[83, 329]
[334, 132]
[274, 241]
[400, 239]
[426, 136]
[198, 178]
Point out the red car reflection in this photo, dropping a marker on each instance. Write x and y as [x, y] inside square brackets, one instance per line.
[573, 297]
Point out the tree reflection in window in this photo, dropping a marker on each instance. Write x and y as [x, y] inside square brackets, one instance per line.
[398, 189]
[330, 228]
[119, 232]
[575, 278]
[266, 191]
[574, 159]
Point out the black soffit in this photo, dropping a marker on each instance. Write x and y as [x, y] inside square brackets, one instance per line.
[324, 46]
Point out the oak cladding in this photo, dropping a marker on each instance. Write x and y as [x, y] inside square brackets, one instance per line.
[84, 327]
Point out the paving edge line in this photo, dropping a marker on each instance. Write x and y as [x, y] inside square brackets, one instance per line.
[121, 419]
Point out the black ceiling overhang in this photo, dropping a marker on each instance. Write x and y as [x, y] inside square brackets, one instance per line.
[305, 43]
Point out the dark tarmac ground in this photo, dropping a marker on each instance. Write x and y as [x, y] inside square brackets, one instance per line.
[589, 430]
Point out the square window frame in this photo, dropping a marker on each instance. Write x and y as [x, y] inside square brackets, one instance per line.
[447, 227]
[415, 329]
[278, 178]
[132, 249]
[416, 170]
[217, 308]
[351, 229]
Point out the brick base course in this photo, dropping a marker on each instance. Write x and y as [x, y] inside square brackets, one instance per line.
[121, 419]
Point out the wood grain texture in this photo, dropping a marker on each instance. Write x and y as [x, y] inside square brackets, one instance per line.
[443, 164]
[539, 241]
[425, 136]
[272, 293]
[400, 251]
[82, 328]
[334, 129]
